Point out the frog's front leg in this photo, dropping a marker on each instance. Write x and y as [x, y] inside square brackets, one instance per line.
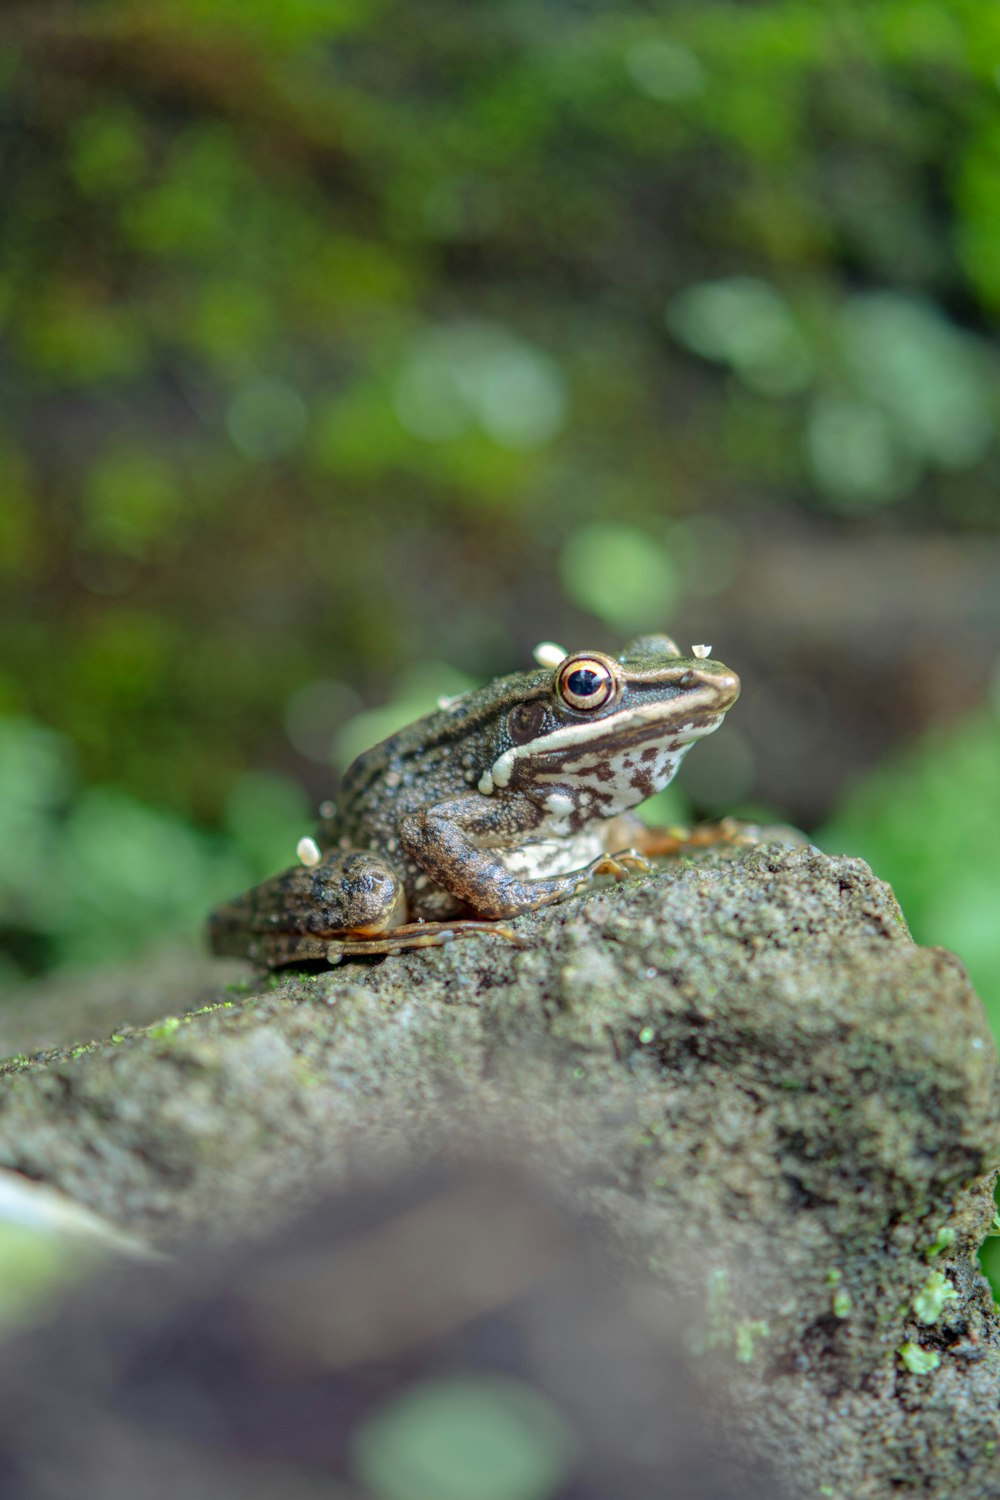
[294, 916]
[456, 843]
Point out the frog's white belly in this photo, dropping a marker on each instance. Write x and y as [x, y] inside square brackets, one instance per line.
[553, 856]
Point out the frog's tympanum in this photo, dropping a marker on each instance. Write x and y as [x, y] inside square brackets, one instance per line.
[507, 798]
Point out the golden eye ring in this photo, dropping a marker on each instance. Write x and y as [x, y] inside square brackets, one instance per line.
[586, 683]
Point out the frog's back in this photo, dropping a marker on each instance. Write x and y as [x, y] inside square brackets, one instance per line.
[440, 756]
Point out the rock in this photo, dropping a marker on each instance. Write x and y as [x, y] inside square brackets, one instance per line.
[744, 1064]
[70, 1008]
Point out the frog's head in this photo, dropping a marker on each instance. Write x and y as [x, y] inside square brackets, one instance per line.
[599, 734]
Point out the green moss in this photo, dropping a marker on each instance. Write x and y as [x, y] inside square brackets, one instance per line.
[943, 1240]
[306, 1073]
[919, 1361]
[747, 1332]
[718, 1329]
[930, 1301]
[165, 1028]
[842, 1303]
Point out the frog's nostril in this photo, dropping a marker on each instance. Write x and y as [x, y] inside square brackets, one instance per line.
[686, 681]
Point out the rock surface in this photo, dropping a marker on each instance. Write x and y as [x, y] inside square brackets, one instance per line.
[744, 1064]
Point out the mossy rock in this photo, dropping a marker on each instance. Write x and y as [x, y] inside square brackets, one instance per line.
[743, 1064]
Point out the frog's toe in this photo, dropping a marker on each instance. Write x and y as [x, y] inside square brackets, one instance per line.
[633, 860]
[621, 864]
[418, 935]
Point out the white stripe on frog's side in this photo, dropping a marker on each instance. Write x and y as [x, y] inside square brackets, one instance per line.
[581, 737]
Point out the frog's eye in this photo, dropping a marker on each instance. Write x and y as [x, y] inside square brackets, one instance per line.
[585, 683]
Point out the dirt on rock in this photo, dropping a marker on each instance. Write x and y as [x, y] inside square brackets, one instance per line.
[743, 1065]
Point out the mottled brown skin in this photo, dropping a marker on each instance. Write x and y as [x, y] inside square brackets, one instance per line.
[418, 835]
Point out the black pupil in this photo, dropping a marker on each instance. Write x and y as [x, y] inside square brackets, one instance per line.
[584, 682]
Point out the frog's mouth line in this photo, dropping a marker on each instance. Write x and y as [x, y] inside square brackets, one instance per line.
[630, 727]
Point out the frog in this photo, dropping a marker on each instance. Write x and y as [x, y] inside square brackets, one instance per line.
[505, 799]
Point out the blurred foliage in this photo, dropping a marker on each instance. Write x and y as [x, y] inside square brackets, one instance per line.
[335, 346]
[927, 822]
[35, 1266]
[90, 873]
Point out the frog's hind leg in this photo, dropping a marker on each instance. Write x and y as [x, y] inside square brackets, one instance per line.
[677, 839]
[345, 905]
[293, 917]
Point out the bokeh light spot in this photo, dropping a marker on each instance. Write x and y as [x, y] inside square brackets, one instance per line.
[416, 693]
[481, 375]
[130, 500]
[934, 381]
[745, 323]
[621, 575]
[520, 397]
[664, 70]
[266, 815]
[266, 419]
[107, 151]
[428, 398]
[315, 712]
[853, 457]
[483, 1437]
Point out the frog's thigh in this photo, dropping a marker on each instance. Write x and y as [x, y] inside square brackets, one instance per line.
[294, 915]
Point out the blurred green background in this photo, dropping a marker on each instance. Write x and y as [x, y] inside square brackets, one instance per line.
[348, 350]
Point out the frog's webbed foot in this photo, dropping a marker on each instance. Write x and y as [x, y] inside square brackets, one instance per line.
[621, 864]
[418, 935]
